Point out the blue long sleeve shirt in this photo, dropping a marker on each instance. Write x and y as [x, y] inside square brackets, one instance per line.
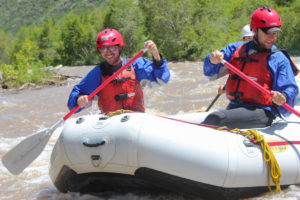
[279, 67]
[144, 69]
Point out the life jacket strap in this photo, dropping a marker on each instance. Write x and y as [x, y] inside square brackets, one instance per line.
[115, 81]
[236, 94]
[123, 96]
[236, 77]
[246, 59]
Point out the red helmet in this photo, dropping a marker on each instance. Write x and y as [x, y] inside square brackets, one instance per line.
[265, 17]
[109, 37]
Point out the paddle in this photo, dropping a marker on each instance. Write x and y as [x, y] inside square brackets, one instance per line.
[215, 99]
[213, 102]
[19, 157]
[258, 86]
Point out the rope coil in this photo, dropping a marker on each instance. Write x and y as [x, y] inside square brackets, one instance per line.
[273, 167]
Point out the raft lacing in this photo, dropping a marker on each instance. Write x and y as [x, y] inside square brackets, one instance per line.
[272, 164]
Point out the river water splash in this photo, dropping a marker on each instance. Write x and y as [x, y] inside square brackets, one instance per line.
[24, 112]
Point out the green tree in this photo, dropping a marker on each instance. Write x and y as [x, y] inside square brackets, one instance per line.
[126, 17]
[75, 41]
[289, 39]
[27, 66]
[46, 39]
[4, 38]
[217, 23]
[182, 30]
[27, 62]
[93, 23]
[167, 24]
[16, 43]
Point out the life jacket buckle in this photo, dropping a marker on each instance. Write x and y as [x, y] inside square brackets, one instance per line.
[237, 94]
[236, 77]
[123, 96]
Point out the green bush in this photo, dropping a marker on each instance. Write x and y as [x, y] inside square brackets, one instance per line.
[182, 30]
[26, 68]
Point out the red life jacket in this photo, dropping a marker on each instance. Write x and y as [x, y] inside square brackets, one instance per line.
[255, 66]
[124, 92]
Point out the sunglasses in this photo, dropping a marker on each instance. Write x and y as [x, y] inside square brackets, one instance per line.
[268, 30]
[108, 48]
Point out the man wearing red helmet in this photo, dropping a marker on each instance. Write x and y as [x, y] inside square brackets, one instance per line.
[124, 92]
[260, 60]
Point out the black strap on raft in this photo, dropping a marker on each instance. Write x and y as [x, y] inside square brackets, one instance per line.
[294, 66]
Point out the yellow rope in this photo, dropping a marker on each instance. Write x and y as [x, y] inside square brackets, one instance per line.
[272, 164]
[118, 112]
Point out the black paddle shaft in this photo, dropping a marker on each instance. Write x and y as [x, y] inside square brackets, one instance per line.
[215, 99]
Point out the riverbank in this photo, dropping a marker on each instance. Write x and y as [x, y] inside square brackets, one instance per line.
[62, 75]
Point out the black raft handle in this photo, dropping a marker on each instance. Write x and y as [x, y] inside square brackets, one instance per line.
[94, 144]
